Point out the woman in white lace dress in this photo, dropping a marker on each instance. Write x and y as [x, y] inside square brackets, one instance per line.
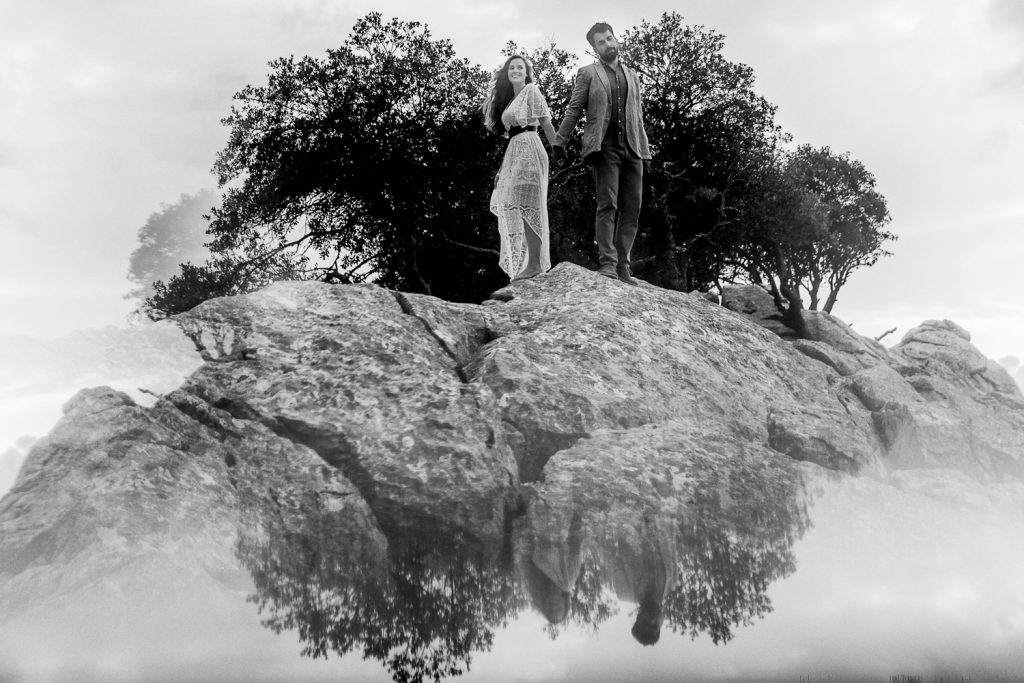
[520, 196]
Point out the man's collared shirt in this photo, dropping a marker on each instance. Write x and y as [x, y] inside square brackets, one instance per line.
[616, 135]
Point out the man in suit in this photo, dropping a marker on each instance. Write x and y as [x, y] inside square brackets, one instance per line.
[614, 145]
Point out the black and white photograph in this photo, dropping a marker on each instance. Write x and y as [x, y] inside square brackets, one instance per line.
[520, 343]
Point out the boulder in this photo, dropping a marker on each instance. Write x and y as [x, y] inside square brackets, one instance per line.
[585, 425]
[944, 348]
[755, 302]
[931, 398]
[125, 521]
[378, 392]
[829, 330]
[575, 354]
[881, 385]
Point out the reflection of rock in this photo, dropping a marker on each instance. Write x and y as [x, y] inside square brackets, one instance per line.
[120, 532]
[652, 429]
[115, 483]
[154, 354]
[38, 376]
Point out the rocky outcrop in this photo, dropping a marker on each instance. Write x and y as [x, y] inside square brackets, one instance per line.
[569, 417]
[373, 390]
[934, 399]
[757, 303]
[826, 339]
[37, 376]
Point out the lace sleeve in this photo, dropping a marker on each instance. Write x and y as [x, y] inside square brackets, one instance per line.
[536, 107]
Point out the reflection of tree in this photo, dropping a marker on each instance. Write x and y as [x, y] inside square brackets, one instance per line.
[422, 611]
[739, 539]
[723, 583]
[697, 551]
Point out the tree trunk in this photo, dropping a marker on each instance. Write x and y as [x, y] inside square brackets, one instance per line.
[830, 301]
[793, 316]
[813, 293]
[792, 309]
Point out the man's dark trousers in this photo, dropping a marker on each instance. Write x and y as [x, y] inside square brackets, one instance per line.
[618, 181]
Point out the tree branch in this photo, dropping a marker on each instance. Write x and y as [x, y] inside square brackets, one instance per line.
[884, 334]
[482, 250]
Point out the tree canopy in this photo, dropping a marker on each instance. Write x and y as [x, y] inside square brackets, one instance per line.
[364, 164]
[372, 163]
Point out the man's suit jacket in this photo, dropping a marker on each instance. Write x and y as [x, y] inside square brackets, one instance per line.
[593, 93]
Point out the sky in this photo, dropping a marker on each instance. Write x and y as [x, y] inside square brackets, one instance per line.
[110, 109]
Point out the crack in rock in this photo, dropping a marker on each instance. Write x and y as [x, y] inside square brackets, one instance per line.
[333, 449]
[408, 309]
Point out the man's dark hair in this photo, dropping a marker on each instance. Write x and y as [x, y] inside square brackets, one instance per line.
[647, 627]
[599, 27]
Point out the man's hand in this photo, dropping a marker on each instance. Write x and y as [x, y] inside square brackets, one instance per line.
[558, 156]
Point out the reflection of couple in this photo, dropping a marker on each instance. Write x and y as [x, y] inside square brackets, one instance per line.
[614, 145]
[638, 562]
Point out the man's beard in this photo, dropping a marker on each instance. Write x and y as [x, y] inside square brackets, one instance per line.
[610, 54]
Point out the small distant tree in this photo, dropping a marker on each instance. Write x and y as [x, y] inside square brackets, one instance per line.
[172, 236]
[854, 214]
[778, 224]
[222, 275]
[812, 219]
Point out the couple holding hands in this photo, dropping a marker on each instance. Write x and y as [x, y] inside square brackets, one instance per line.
[614, 146]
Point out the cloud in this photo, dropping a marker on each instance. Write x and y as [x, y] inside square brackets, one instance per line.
[1007, 18]
[1008, 13]
[11, 460]
[105, 115]
[1014, 366]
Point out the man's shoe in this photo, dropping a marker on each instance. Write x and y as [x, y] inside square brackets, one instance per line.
[622, 272]
[608, 270]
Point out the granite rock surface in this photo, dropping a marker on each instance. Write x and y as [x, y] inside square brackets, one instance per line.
[569, 416]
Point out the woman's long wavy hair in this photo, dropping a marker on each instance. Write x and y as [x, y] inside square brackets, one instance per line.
[501, 94]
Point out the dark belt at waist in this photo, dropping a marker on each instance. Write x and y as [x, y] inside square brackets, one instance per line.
[516, 130]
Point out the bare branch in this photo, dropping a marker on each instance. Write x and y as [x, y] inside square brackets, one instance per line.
[884, 334]
[482, 250]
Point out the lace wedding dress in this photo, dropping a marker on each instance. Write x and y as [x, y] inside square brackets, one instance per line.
[520, 196]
